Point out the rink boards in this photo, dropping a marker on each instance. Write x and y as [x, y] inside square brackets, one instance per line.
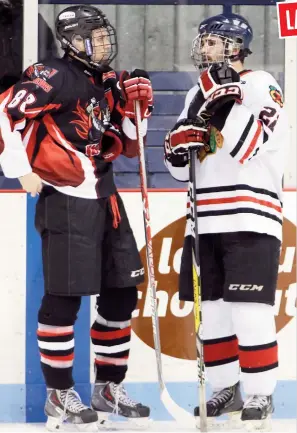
[22, 390]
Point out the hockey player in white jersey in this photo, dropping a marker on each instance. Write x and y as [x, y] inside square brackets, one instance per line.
[239, 172]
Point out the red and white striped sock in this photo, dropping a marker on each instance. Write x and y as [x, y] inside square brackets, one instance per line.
[56, 347]
[111, 342]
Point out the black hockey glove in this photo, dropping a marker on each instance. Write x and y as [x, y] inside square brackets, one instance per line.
[187, 134]
[109, 147]
[112, 144]
[220, 84]
[175, 160]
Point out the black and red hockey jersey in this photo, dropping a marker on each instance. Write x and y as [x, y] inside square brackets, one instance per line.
[57, 120]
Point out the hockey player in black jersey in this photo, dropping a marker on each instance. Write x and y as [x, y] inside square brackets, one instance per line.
[237, 118]
[61, 127]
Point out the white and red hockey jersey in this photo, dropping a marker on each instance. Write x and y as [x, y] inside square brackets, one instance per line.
[239, 186]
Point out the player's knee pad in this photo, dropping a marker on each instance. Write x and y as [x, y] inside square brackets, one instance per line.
[59, 310]
[117, 304]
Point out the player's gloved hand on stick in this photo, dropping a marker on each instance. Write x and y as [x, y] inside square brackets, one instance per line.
[136, 86]
[187, 134]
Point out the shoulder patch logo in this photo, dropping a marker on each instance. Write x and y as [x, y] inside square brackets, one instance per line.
[276, 95]
[40, 71]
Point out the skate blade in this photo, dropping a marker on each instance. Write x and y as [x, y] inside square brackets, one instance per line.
[111, 421]
[56, 424]
[232, 423]
[262, 425]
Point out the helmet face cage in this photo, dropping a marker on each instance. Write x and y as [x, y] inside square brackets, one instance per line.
[209, 48]
[101, 46]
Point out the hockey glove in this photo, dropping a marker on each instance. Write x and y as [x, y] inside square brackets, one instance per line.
[110, 146]
[175, 160]
[187, 134]
[219, 84]
[136, 87]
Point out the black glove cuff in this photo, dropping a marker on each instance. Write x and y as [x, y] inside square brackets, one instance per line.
[177, 160]
[219, 118]
[139, 73]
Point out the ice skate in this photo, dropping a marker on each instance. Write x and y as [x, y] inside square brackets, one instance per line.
[110, 398]
[66, 412]
[256, 413]
[227, 401]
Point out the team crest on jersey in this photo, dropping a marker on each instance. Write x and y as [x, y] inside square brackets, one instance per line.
[215, 141]
[276, 95]
[91, 123]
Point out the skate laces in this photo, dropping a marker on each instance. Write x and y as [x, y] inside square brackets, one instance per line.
[221, 396]
[121, 395]
[256, 402]
[71, 401]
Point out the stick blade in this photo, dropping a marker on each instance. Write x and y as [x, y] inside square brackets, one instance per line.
[181, 416]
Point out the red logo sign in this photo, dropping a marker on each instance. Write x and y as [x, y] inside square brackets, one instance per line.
[287, 19]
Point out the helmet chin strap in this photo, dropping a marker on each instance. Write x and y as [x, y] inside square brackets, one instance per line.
[82, 56]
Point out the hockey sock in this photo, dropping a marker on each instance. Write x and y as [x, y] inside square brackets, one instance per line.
[56, 347]
[111, 342]
[220, 345]
[258, 352]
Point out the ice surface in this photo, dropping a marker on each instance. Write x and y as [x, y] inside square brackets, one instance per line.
[278, 426]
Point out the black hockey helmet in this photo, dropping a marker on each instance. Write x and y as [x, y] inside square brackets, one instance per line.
[83, 21]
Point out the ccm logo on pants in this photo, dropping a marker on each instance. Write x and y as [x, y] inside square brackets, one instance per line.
[137, 273]
[250, 287]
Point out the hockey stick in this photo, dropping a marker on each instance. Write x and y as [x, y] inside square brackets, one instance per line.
[197, 290]
[177, 412]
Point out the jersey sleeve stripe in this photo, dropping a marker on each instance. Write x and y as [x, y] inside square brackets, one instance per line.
[243, 137]
[253, 143]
